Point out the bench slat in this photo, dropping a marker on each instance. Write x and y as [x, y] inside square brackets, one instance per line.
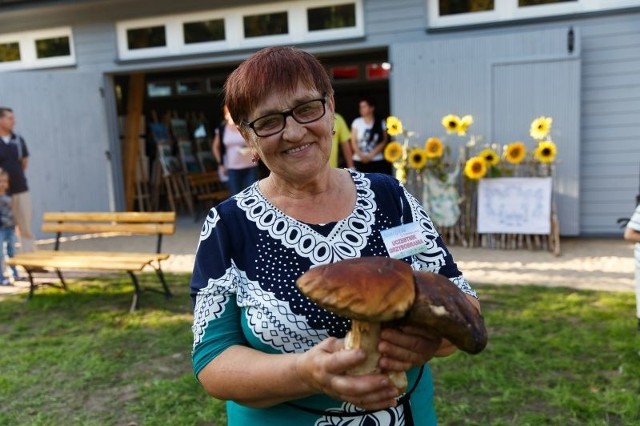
[109, 216]
[99, 228]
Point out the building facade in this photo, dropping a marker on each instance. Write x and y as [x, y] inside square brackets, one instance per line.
[65, 68]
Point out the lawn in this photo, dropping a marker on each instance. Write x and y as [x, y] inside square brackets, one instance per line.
[555, 357]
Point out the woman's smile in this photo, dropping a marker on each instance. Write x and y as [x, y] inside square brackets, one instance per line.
[297, 149]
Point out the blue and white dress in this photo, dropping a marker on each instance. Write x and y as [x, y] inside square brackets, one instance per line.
[243, 289]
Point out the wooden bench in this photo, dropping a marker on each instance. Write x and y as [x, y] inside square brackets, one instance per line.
[206, 187]
[103, 224]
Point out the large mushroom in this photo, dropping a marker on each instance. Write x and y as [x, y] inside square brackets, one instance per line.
[375, 290]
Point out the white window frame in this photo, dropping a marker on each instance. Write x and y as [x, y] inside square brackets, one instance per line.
[234, 29]
[28, 53]
[508, 10]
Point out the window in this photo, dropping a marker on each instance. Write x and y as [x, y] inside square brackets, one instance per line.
[331, 17]
[522, 3]
[267, 24]
[53, 47]
[449, 13]
[144, 38]
[9, 52]
[37, 49]
[159, 89]
[203, 31]
[190, 87]
[454, 7]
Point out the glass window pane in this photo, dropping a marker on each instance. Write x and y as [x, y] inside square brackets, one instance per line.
[203, 31]
[53, 47]
[537, 2]
[143, 38]
[452, 7]
[159, 89]
[265, 25]
[190, 87]
[324, 18]
[9, 52]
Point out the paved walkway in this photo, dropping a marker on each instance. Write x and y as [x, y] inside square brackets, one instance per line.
[584, 263]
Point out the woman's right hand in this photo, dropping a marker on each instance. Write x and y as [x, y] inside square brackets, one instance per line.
[324, 369]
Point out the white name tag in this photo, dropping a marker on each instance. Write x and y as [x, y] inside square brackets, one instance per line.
[402, 241]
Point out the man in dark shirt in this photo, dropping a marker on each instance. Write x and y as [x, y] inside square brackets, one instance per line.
[13, 159]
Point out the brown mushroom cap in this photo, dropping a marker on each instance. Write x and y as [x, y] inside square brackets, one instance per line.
[375, 289]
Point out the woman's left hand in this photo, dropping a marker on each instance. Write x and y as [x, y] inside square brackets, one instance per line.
[405, 347]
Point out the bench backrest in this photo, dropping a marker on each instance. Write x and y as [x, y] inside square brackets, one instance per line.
[139, 223]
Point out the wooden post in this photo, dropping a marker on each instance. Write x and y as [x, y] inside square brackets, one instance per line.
[131, 149]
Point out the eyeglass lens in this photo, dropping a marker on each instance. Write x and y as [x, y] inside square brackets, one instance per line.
[304, 113]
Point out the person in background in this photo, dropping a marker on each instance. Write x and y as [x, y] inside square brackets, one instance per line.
[276, 357]
[632, 233]
[341, 140]
[7, 228]
[13, 159]
[235, 160]
[368, 139]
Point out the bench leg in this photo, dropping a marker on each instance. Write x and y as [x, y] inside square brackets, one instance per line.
[136, 291]
[160, 274]
[64, 284]
[32, 283]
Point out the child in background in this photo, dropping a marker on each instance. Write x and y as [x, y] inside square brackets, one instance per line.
[7, 227]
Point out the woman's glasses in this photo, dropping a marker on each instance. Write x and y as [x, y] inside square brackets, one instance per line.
[308, 112]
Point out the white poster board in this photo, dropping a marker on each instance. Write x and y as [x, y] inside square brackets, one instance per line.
[514, 205]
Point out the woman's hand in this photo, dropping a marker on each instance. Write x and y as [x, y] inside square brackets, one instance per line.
[405, 347]
[324, 369]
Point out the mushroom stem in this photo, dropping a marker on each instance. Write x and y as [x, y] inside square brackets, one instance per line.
[366, 335]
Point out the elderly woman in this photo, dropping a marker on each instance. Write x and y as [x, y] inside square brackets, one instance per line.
[276, 357]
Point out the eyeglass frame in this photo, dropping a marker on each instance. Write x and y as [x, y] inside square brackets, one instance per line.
[288, 113]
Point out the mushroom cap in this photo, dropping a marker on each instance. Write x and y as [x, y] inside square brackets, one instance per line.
[374, 289]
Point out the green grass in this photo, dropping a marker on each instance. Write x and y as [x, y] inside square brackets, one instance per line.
[555, 357]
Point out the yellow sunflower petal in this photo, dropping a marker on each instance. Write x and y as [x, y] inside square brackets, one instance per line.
[540, 127]
[451, 123]
[475, 168]
[465, 122]
[433, 148]
[417, 158]
[490, 156]
[393, 151]
[515, 152]
[394, 126]
[545, 152]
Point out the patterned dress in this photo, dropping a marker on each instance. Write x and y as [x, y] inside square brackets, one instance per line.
[243, 289]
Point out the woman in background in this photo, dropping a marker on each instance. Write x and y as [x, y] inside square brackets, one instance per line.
[368, 139]
[234, 157]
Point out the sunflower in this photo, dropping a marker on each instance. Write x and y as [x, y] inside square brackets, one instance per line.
[394, 126]
[515, 152]
[540, 127]
[393, 151]
[475, 168]
[417, 158]
[451, 123]
[433, 148]
[545, 152]
[490, 156]
[465, 122]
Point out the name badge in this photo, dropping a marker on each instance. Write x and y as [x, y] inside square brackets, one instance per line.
[404, 240]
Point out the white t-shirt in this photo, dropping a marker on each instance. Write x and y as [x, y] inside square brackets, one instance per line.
[362, 133]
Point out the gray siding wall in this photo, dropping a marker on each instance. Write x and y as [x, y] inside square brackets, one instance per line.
[610, 170]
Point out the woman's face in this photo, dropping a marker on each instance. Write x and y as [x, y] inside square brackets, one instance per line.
[300, 151]
[365, 108]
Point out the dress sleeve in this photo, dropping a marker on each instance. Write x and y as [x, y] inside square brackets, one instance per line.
[436, 257]
[214, 287]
